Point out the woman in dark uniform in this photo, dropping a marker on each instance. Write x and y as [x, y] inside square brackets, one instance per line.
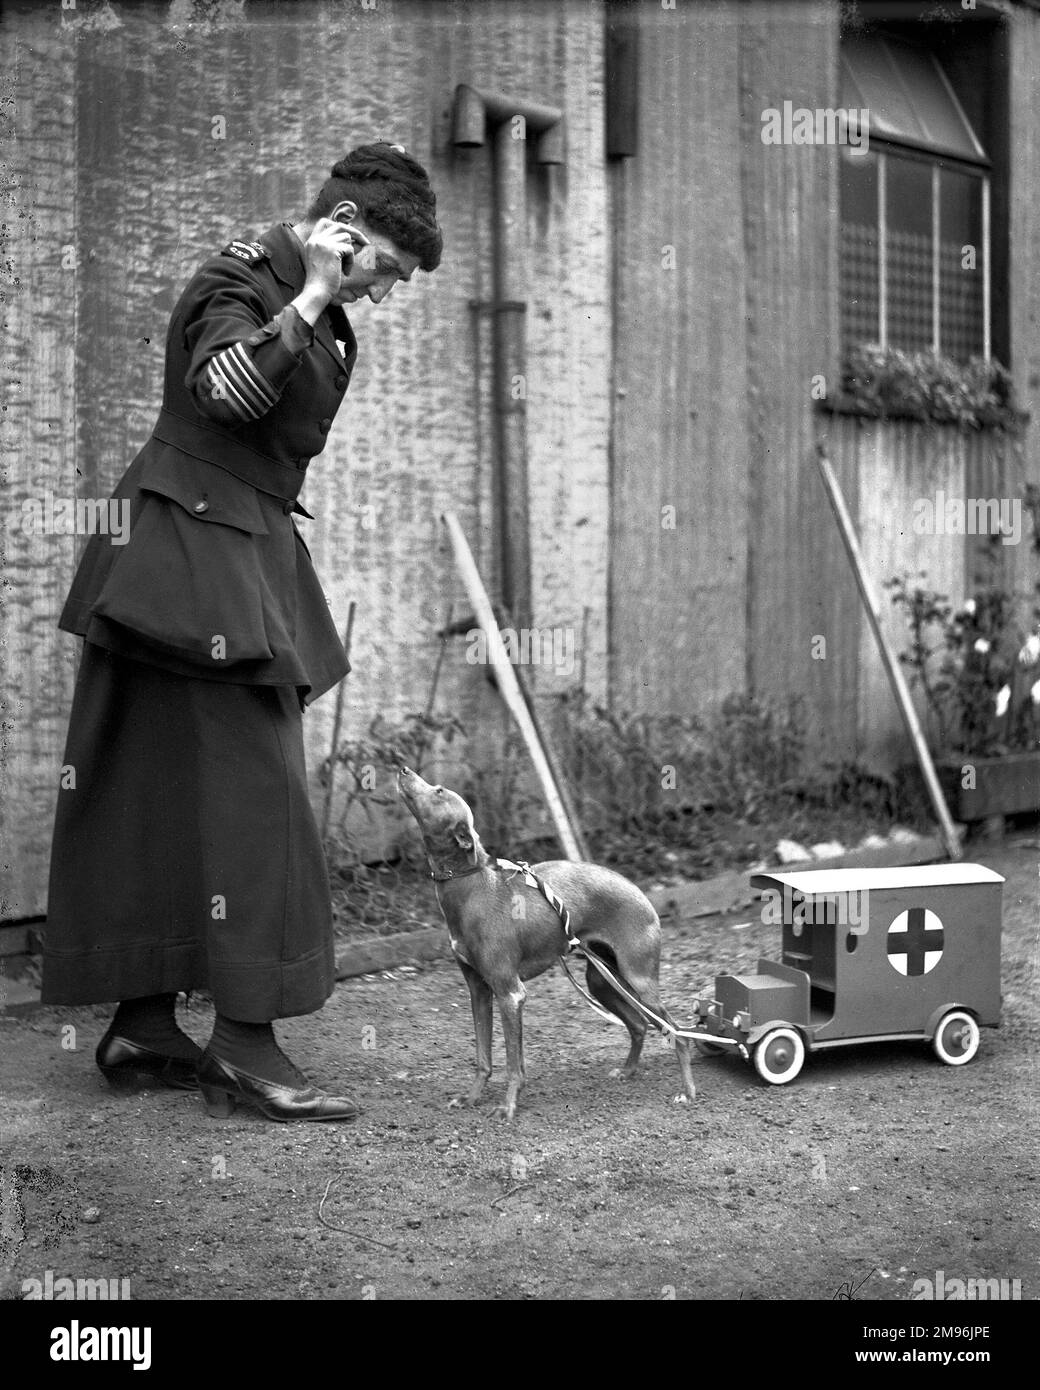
[186, 854]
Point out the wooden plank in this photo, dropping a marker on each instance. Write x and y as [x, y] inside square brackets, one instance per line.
[18, 996]
[14, 940]
[509, 688]
[732, 891]
[386, 952]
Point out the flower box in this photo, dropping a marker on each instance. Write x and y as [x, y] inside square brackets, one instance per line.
[1004, 785]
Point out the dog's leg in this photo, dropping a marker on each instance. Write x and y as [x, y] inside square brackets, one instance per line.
[682, 1054]
[645, 988]
[604, 993]
[648, 991]
[480, 1000]
[511, 1007]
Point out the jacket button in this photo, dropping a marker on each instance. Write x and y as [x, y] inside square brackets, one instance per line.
[202, 506]
[287, 508]
[325, 426]
[341, 382]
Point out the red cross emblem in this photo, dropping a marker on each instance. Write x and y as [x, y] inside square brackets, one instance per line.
[915, 942]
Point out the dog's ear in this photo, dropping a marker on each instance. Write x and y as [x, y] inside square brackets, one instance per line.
[462, 832]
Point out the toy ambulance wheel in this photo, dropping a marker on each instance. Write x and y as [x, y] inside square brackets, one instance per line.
[708, 1049]
[779, 1056]
[956, 1039]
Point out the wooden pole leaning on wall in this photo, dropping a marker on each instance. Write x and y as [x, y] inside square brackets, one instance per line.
[337, 723]
[509, 687]
[889, 659]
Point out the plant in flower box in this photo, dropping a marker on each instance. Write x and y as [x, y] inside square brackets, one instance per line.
[978, 667]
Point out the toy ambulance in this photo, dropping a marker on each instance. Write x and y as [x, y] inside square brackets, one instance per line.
[868, 955]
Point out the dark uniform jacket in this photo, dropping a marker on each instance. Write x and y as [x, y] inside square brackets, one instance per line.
[215, 581]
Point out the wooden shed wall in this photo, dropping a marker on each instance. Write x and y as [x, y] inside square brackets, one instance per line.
[125, 101]
[681, 303]
[716, 412]
[678, 593]
[1024, 270]
[715, 368]
[796, 597]
[37, 385]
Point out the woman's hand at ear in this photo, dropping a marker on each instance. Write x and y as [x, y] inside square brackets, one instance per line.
[329, 256]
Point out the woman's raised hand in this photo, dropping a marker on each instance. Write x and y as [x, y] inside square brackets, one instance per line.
[329, 255]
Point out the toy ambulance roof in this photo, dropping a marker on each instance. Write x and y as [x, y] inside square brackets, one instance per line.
[815, 882]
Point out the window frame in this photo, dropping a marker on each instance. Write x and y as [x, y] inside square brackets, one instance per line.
[938, 158]
[885, 149]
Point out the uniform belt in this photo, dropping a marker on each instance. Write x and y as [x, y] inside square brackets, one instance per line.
[266, 474]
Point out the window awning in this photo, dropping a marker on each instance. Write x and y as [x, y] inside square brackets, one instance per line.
[908, 95]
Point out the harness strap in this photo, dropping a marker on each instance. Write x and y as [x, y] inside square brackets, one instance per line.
[557, 904]
[531, 879]
[573, 944]
[592, 1003]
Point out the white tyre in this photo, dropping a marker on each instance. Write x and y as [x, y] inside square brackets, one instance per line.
[956, 1039]
[779, 1056]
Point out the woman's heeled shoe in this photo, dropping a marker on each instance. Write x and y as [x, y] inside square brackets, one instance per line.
[128, 1066]
[223, 1086]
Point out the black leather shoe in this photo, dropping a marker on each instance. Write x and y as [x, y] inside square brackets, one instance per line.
[128, 1066]
[224, 1085]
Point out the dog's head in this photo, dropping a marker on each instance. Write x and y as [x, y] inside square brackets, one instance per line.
[444, 817]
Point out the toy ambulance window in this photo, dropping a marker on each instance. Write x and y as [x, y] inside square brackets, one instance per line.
[851, 942]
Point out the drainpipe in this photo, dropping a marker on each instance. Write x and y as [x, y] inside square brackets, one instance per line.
[475, 115]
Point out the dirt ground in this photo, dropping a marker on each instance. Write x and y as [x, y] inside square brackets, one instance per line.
[878, 1164]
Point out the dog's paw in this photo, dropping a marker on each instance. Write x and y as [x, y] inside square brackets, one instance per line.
[682, 1099]
[505, 1112]
[456, 1103]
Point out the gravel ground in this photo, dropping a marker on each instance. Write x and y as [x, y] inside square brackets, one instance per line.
[877, 1165]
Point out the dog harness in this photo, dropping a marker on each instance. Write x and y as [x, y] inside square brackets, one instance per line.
[531, 879]
[512, 868]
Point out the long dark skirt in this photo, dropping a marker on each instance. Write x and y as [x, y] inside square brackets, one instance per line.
[186, 854]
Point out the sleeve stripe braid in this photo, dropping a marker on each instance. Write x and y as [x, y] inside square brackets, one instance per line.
[221, 389]
[239, 369]
[240, 359]
[247, 391]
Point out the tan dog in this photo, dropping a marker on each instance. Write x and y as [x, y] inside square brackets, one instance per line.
[504, 932]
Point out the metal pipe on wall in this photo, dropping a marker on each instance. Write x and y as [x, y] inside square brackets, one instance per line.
[622, 65]
[511, 123]
[510, 337]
